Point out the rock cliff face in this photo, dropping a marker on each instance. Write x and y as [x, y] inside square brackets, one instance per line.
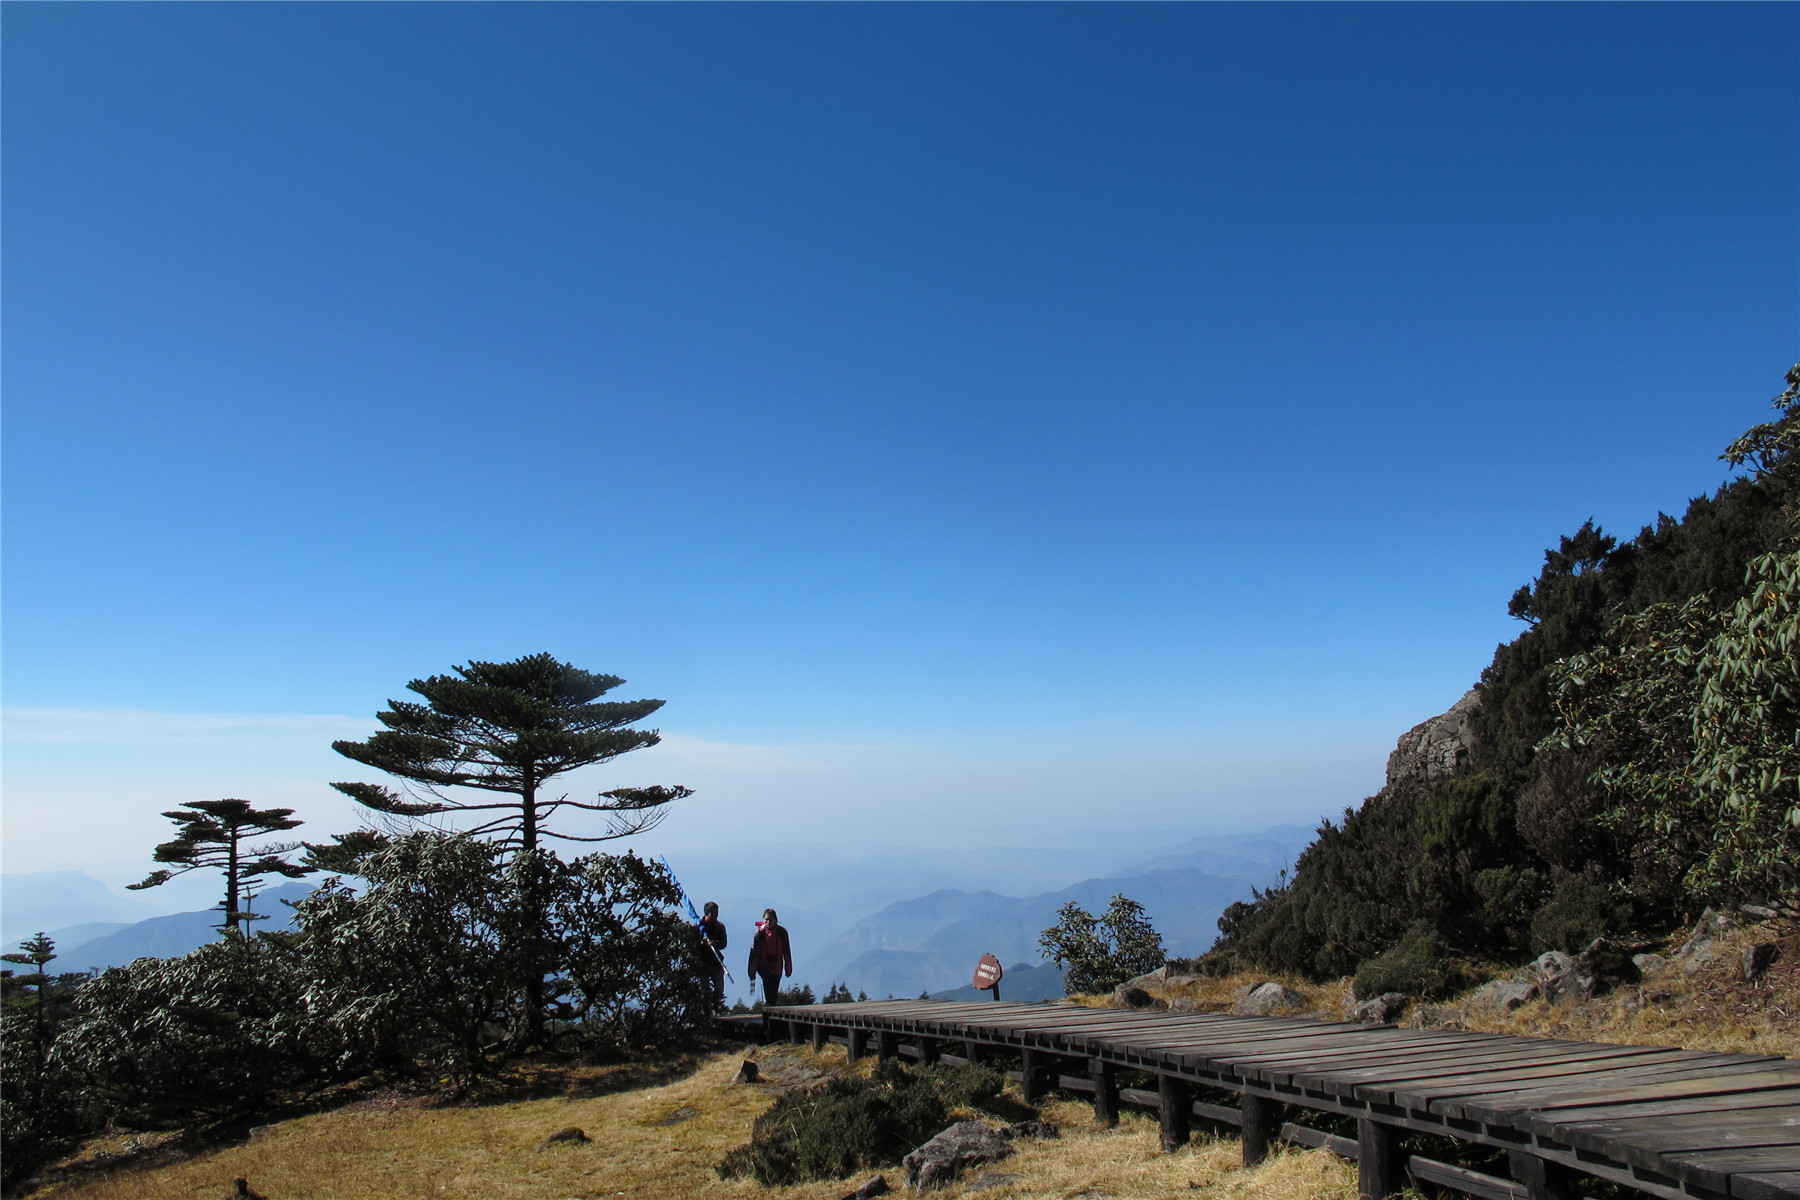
[1434, 749]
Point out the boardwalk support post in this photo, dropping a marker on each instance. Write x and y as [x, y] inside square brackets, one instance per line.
[1106, 1091]
[1174, 1111]
[1380, 1164]
[1543, 1180]
[887, 1044]
[820, 1036]
[1031, 1075]
[858, 1045]
[1260, 1126]
[928, 1050]
[972, 1050]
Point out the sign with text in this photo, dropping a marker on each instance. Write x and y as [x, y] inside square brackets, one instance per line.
[987, 975]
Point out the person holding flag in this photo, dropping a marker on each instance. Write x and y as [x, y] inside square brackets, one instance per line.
[712, 932]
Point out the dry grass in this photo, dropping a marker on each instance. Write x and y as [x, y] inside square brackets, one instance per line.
[1707, 1009]
[658, 1130]
[407, 1149]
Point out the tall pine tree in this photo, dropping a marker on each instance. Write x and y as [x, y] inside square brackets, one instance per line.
[502, 731]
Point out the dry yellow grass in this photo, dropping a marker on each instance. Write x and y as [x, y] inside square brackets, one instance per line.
[492, 1151]
[1708, 1009]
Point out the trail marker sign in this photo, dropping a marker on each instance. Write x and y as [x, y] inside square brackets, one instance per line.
[987, 975]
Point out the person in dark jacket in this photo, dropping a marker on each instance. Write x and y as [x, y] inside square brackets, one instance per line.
[712, 932]
[770, 956]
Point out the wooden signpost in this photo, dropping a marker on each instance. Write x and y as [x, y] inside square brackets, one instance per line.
[987, 975]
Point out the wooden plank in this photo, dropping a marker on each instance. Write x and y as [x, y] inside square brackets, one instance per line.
[1766, 1185]
[1462, 1179]
[1470, 1100]
[1318, 1139]
[1715, 1168]
[1551, 1119]
[1393, 1082]
[1323, 1064]
[1389, 1085]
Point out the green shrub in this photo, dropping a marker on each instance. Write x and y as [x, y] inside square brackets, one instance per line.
[850, 1123]
[1419, 965]
[1579, 911]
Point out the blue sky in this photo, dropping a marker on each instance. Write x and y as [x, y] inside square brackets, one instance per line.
[995, 415]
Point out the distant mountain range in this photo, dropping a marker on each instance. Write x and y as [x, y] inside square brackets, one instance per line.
[94, 946]
[932, 943]
[1021, 983]
[885, 920]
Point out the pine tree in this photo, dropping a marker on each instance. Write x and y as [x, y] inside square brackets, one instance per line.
[506, 729]
[213, 836]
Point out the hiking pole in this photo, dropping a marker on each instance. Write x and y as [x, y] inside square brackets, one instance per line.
[717, 953]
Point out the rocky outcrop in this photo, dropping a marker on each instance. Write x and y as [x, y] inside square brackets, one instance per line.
[1269, 1000]
[1378, 1011]
[1437, 748]
[963, 1145]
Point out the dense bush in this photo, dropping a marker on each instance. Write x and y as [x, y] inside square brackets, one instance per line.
[428, 965]
[210, 1033]
[1582, 908]
[1419, 964]
[850, 1123]
[1639, 737]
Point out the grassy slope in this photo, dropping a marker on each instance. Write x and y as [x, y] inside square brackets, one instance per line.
[392, 1146]
[392, 1149]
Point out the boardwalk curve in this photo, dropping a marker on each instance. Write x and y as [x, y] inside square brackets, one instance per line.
[1667, 1122]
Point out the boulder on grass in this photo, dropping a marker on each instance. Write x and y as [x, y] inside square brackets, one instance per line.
[872, 1187]
[1758, 959]
[963, 1145]
[1269, 1000]
[1380, 1010]
[1503, 995]
[1127, 996]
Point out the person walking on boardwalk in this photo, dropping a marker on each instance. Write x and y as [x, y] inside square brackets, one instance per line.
[712, 932]
[770, 955]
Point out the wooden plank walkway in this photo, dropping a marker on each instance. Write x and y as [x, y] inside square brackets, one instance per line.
[1669, 1123]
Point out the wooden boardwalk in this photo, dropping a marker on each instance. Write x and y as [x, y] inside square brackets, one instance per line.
[1669, 1123]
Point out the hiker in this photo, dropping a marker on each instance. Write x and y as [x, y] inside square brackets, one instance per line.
[770, 955]
[712, 932]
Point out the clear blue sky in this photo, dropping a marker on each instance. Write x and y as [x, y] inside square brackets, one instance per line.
[1012, 413]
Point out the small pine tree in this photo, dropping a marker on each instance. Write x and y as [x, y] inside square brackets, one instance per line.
[213, 835]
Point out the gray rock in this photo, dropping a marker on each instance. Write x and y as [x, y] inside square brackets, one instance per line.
[1126, 996]
[1757, 912]
[963, 1145]
[875, 1186]
[1380, 1010]
[1184, 1005]
[1565, 978]
[1268, 1000]
[567, 1136]
[1649, 964]
[1431, 1016]
[1240, 993]
[746, 1073]
[1149, 979]
[1503, 995]
[1438, 748]
[1709, 928]
[1758, 959]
